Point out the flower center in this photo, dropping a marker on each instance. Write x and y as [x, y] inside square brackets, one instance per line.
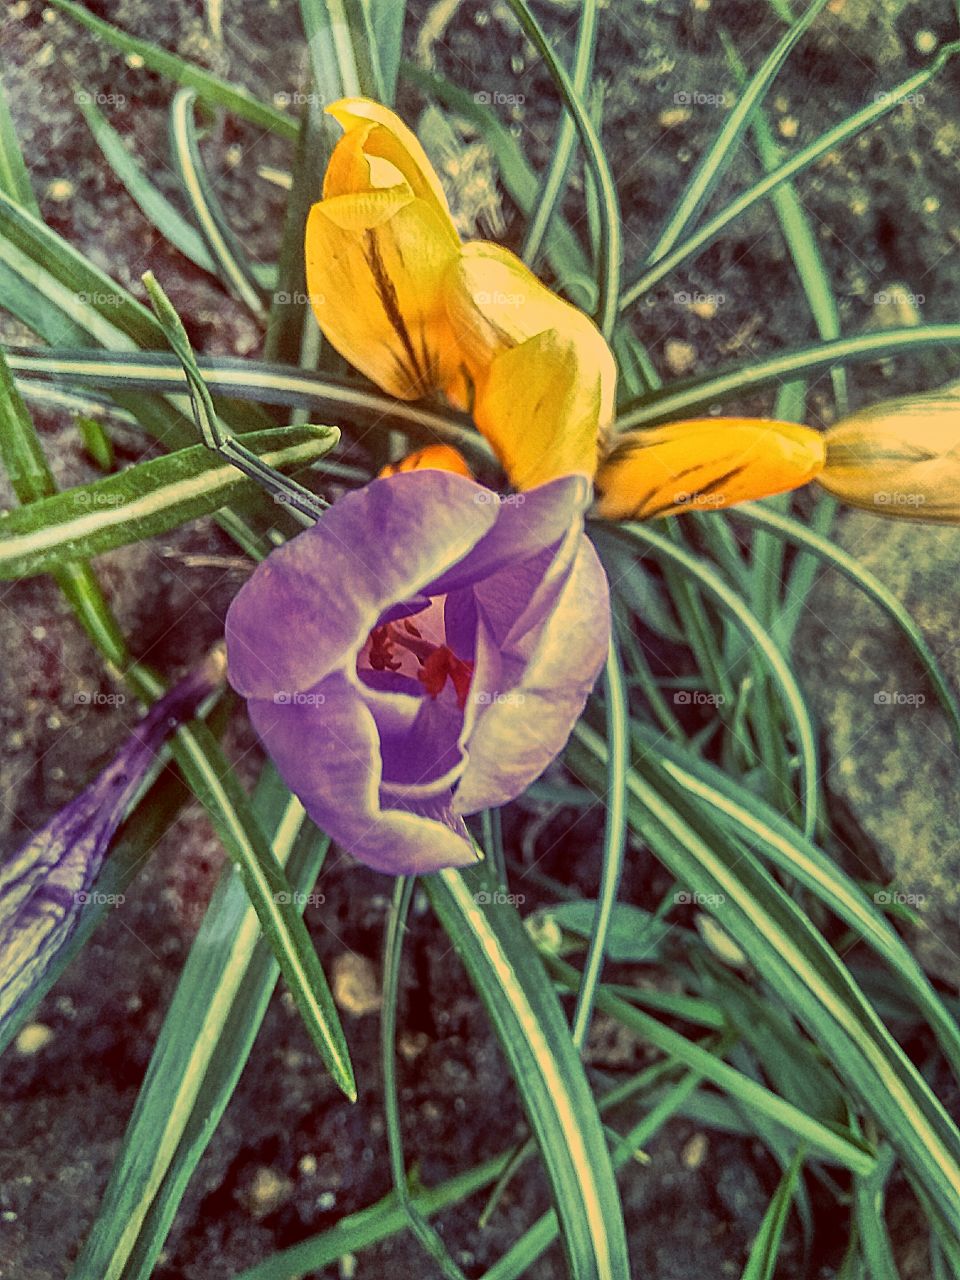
[436, 662]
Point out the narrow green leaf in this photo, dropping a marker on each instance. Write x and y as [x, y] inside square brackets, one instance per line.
[719, 155]
[847, 128]
[743, 617]
[228, 964]
[143, 501]
[745, 379]
[14, 176]
[209, 87]
[610, 248]
[533, 1033]
[154, 205]
[764, 517]
[265, 384]
[762, 1262]
[223, 245]
[554, 180]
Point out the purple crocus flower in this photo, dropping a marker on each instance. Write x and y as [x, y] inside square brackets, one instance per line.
[419, 654]
[44, 886]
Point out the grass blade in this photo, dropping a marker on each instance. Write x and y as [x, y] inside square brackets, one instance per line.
[223, 245]
[717, 158]
[151, 201]
[213, 90]
[192, 1043]
[533, 1033]
[143, 501]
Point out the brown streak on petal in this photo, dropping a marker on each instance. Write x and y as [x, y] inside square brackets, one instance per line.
[388, 296]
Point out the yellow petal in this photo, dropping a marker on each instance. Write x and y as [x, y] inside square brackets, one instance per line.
[539, 410]
[900, 458]
[434, 457]
[705, 464]
[375, 269]
[496, 302]
[545, 378]
[380, 134]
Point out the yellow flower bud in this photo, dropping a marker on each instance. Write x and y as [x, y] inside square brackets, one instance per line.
[704, 464]
[899, 458]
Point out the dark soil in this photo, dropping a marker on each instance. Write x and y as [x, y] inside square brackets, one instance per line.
[291, 1157]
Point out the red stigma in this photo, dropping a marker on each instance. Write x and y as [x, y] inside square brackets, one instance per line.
[437, 662]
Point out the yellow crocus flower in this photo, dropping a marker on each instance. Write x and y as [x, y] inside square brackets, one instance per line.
[704, 464]
[378, 246]
[899, 458]
[398, 295]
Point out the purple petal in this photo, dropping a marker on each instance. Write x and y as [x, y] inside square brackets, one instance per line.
[531, 715]
[317, 598]
[329, 754]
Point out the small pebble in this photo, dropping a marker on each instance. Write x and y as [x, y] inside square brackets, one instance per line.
[356, 987]
[307, 1165]
[673, 116]
[925, 41]
[789, 126]
[679, 357]
[704, 309]
[267, 1191]
[34, 1037]
[348, 1266]
[695, 1151]
[60, 190]
[134, 60]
